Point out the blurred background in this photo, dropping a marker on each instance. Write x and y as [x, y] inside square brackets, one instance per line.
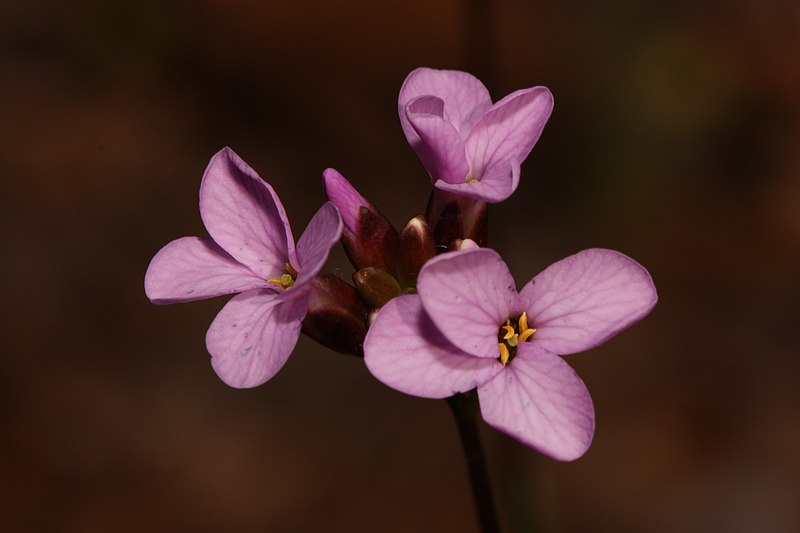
[675, 139]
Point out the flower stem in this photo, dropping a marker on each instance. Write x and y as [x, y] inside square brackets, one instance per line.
[465, 410]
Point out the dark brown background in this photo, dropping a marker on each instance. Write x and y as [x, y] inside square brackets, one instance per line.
[674, 139]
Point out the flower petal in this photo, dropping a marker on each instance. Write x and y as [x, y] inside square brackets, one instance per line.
[194, 268]
[322, 232]
[253, 335]
[583, 300]
[439, 145]
[244, 215]
[345, 197]
[468, 295]
[465, 97]
[404, 350]
[509, 129]
[540, 401]
[496, 185]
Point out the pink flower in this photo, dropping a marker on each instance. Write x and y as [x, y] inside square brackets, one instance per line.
[252, 252]
[469, 328]
[470, 146]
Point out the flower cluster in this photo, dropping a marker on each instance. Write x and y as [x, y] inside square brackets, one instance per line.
[432, 310]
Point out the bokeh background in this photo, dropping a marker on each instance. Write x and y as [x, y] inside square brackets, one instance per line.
[675, 139]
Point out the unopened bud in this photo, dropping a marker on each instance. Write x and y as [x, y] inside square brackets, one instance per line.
[336, 316]
[368, 237]
[457, 217]
[416, 246]
[376, 286]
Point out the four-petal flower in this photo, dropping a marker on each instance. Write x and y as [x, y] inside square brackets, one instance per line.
[251, 251]
[470, 146]
[468, 327]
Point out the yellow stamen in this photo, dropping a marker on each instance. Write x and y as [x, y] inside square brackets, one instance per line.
[286, 280]
[510, 339]
[504, 355]
[525, 335]
[473, 180]
[523, 322]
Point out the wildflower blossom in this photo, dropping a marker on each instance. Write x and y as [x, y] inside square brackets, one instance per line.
[252, 252]
[470, 146]
[468, 327]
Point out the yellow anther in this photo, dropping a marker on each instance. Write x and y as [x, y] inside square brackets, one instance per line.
[511, 334]
[290, 269]
[473, 180]
[525, 335]
[523, 322]
[504, 355]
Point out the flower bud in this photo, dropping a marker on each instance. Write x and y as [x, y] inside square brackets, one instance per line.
[336, 316]
[367, 236]
[376, 286]
[457, 217]
[415, 248]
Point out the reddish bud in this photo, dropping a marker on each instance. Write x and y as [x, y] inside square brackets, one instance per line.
[376, 286]
[336, 316]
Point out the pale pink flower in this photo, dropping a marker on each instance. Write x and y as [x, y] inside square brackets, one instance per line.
[470, 146]
[468, 327]
[252, 252]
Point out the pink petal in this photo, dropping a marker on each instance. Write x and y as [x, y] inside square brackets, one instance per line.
[465, 97]
[191, 268]
[322, 232]
[439, 146]
[540, 401]
[509, 129]
[345, 197]
[496, 185]
[583, 300]
[468, 295]
[244, 215]
[404, 350]
[253, 335]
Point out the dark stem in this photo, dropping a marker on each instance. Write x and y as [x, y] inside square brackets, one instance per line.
[465, 410]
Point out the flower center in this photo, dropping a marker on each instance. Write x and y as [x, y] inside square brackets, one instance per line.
[286, 280]
[511, 334]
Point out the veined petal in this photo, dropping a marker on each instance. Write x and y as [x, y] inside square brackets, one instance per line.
[244, 216]
[345, 197]
[583, 300]
[465, 97]
[496, 185]
[508, 130]
[540, 401]
[322, 232]
[253, 335]
[468, 295]
[194, 268]
[439, 145]
[404, 350]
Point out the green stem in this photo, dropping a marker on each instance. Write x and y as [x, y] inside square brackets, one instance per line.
[465, 410]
